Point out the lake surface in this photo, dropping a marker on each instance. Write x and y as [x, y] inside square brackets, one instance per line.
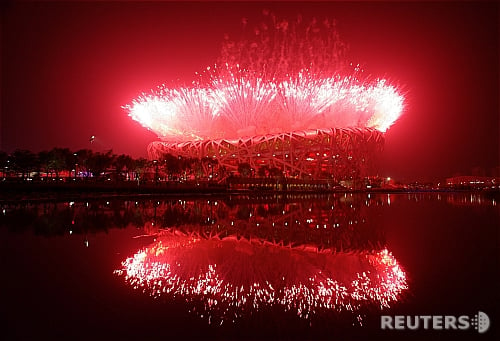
[248, 267]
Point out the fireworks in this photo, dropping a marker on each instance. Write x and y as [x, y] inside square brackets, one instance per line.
[244, 104]
[283, 76]
[279, 47]
[223, 279]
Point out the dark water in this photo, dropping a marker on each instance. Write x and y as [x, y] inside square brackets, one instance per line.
[268, 267]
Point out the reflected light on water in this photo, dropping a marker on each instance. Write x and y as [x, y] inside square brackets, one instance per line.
[223, 279]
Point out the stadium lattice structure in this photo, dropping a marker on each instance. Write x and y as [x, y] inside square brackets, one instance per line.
[342, 152]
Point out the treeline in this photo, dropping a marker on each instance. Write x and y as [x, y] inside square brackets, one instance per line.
[63, 162]
[85, 163]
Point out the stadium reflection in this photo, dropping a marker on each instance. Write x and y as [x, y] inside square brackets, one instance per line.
[230, 258]
[281, 266]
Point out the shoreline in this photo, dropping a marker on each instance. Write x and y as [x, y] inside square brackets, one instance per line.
[20, 191]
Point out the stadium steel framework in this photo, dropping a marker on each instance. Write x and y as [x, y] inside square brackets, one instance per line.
[339, 153]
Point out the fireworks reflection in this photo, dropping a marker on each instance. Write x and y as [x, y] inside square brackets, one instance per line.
[225, 278]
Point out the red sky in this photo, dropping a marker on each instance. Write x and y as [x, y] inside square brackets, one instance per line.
[67, 68]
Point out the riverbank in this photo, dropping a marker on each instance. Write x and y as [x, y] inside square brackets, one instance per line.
[15, 191]
[35, 191]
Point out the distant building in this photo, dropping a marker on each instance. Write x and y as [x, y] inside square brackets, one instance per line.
[472, 181]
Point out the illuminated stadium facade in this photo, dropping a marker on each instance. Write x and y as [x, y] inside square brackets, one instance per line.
[341, 152]
[266, 109]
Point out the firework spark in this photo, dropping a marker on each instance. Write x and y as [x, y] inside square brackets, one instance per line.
[245, 105]
[223, 279]
[285, 76]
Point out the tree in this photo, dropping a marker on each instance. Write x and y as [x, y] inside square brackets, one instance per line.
[60, 159]
[4, 157]
[173, 165]
[275, 172]
[139, 167]
[244, 169]
[263, 171]
[190, 166]
[222, 172]
[82, 160]
[122, 163]
[209, 166]
[23, 161]
[43, 162]
[197, 167]
[100, 162]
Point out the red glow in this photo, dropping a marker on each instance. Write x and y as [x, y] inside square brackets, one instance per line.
[245, 104]
[285, 76]
[229, 277]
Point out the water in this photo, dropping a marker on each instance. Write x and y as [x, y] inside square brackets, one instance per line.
[247, 267]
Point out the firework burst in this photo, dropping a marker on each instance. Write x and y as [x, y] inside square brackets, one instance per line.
[283, 76]
[242, 105]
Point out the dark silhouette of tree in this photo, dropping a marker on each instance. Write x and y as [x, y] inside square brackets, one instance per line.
[82, 159]
[57, 160]
[139, 167]
[173, 165]
[197, 168]
[263, 171]
[210, 166]
[23, 161]
[245, 169]
[222, 172]
[122, 163]
[60, 159]
[187, 166]
[275, 172]
[100, 162]
[43, 162]
[4, 157]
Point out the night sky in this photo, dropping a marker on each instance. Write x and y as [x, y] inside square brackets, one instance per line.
[68, 67]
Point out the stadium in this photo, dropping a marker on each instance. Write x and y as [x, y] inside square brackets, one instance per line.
[308, 120]
[342, 152]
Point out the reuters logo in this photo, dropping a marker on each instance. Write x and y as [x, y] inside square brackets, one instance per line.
[480, 322]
